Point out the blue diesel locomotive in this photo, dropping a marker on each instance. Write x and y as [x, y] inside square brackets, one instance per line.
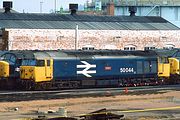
[81, 69]
[77, 69]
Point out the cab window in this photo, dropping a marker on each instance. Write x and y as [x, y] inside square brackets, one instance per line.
[9, 58]
[28, 62]
[48, 62]
[163, 60]
[40, 63]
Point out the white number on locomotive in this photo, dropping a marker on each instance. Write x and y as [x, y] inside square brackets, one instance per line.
[126, 70]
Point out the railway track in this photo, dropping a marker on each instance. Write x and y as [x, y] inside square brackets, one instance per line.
[60, 94]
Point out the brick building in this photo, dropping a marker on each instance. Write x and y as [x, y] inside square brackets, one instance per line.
[54, 31]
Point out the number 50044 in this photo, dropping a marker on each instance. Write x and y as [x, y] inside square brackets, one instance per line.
[126, 70]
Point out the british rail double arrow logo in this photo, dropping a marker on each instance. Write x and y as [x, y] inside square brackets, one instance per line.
[86, 72]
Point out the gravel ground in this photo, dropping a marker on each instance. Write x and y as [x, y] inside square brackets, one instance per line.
[78, 106]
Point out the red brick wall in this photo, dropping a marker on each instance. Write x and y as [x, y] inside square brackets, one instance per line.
[64, 39]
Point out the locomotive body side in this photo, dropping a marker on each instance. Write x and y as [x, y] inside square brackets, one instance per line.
[105, 68]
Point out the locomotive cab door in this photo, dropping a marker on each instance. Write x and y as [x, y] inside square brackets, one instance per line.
[48, 68]
[163, 67]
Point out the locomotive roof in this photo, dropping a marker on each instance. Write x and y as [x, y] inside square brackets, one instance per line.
[19, 54]
[68, 54]
[86, 22]
[168, 52]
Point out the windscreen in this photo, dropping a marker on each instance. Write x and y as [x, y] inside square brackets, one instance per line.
[32, 62]
[10, 58]
[29, 62]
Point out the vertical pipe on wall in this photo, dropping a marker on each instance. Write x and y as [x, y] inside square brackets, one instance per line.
[54, 6]
[41, 4]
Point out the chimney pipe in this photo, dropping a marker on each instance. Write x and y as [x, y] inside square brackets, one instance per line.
[73, 8]
[132, 10]
[110, 8]
[7, 5]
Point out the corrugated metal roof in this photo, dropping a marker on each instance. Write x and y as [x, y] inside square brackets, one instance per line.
[12, 11]
[57, 21]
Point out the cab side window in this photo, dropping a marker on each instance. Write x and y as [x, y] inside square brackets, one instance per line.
[48, 62]
[40, 63]
[163, 60]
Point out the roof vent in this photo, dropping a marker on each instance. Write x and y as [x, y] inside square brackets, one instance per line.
[73, 8]
[132, 10]
[7, 5]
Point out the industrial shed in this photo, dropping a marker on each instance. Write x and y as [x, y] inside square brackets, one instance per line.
[55, 31]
